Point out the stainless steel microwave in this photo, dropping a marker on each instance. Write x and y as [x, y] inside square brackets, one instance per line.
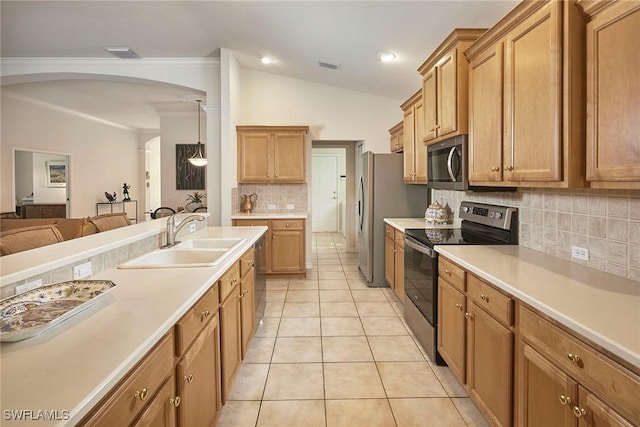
[447, 164]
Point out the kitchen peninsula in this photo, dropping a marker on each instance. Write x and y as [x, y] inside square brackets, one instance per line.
[69, 369]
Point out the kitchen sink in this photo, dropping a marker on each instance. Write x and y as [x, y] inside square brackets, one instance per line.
[222, 243]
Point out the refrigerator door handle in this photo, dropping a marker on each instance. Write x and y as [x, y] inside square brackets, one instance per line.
[361, 202]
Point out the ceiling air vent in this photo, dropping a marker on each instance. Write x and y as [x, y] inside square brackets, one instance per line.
[122, 52]
[329, 65]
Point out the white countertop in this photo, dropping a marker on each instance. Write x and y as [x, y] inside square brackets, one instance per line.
[601, 307]
[407, 223]
[75, 364]
[269, 216]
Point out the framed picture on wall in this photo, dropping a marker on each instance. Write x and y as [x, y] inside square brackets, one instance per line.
[188, 177]
[56, 173]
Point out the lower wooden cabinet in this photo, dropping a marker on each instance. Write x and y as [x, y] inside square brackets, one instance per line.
[230, 339]
[394, 260]
[285, 246]
[161, 411]
[247, 299]
[452, 328]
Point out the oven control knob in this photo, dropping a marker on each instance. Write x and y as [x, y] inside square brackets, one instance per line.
[492, 214]
[498, 215]
[465, 209]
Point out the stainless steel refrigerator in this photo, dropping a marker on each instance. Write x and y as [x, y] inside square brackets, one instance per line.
[383, 194]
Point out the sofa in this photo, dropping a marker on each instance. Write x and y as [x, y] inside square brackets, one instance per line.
[69, 228]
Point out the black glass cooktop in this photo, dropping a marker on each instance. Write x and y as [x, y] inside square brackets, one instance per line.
[437, 236]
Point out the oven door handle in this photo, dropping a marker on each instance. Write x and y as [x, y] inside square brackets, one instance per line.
[415, 245]
[450, 164]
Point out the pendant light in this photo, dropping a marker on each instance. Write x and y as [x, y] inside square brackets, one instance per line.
[198, 159]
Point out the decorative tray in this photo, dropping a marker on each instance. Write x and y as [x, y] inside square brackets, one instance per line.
[33, 312]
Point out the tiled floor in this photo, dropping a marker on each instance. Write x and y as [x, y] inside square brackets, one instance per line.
[332, 352]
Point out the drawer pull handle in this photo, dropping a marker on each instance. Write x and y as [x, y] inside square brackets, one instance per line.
[459, 307]
[578, 412]
[142, 394]
[446, 271]
[287, 225]
[188, 378]
[175, 401]
[468, 316]
[565, 400]
[484, 297]
[204, 315]
[574, 358]
[233, 281]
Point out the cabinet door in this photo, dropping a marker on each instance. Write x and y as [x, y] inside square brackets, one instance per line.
[399, 272]
[230, 340]
[420, 149]
[161, 411]
[389, 261]
[254, 157]
[288, 156]
[490, 366]
[447, 84]
[485, 116]
[199, 379]
[247, 309]
[533, 97]
[429, 98]
[452, 328]
[409, 145]
[613, 94]
[593, 412]
[546, 395]
[287, 251]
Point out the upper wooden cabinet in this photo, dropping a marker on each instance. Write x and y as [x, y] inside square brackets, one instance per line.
[613, 93]
[415, 150]
[445, 87]
[397, 138]
[526, 98]
[271, 154]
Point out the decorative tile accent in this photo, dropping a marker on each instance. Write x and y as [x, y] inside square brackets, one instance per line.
[280, 195]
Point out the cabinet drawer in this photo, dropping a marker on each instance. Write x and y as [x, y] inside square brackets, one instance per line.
[246, 262]
[604, 377]
[251, 222]
[128, 399]
[190, 325]
[453, 274]
[490, 299]
[228, 281]
[288, 224]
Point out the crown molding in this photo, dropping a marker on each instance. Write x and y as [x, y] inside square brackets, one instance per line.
[157, 62]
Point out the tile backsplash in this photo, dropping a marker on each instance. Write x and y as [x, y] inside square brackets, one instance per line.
[607, 222]
[278, 195]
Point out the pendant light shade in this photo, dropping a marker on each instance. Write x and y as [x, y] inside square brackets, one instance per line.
[198, 158]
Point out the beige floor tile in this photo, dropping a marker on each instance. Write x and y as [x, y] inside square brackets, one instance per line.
[353, 275]
[346, 349]
[312, 274]
[398, 308]
[303, 285]
[470, 412]
[410, 379]
[333, 284]
[331, 275]
[239, 414]
[368, 295]
[302, 296]
[299, 327]
[395, 349]
[331, 267]
[377, 309]
[449, 381]
[338, 309]
[389, 325]
[295, 381]
[301, 309]
[307, 413]
[335, 295]
[249, 382]
[359, 413]
[260, 350]
[357, 284]
[352, 381]
[275, 296]
[327, 254]
[426, 413]
[322, 262]
[341, 326]
[390, 295]
[297, 350]
[268, 327]
[350, 268]
[273, 309]
[277, 285]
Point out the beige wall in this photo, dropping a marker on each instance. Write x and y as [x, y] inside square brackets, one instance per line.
[607, 222]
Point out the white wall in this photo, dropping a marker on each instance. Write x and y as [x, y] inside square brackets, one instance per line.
[102, 157]
[42, 193]
[24, 175]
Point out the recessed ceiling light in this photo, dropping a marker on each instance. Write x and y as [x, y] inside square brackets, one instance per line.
[267, 59]
[387, 56]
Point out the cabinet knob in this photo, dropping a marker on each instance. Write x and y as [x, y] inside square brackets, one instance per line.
[188, 378]
[204, 315]
[287, 225]
[565, 400]
[574, 358]
[175, 401]
[273, 237]
[578, 412]
[508, 168]
[484, 297]
[267, 175]
[459, 307]
[468, 316]
[447, 271]
[495, 169]
[142, 394]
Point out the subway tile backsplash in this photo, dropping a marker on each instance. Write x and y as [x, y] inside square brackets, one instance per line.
[279, 195]
[607, 222]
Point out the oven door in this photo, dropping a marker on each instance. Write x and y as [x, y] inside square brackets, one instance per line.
[420, 278]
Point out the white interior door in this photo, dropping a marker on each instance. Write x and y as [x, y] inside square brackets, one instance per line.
[325, 193]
